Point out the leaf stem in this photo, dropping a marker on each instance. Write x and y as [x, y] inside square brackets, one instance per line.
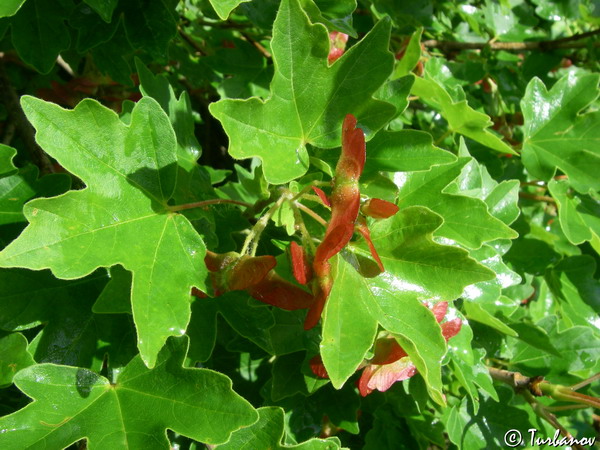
[312, 214]
[591, 379]
[441, 139]
[306, 237]
[254, 236]
[214, 201]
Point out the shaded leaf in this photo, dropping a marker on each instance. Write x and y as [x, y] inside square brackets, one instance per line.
[573, 281]
[39, 33]
[104, 8]
[149, 26]
[267, 432]
[13, 357]
[579, 214]
[468, 367]
[487, 428]
[71, 334]
[76, 403]
[578, 346]
[17, 189]
[6, 165]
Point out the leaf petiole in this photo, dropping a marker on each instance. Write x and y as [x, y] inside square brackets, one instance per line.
[214, 201]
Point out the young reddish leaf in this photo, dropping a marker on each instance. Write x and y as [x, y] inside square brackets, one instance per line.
[249, 271]
[276, 291]
[378, 209]
[345, 203]
[451, 328]
[322, 196]
[387, 351]
[300, 267]
[352, 160]
[381, 377]
[439, 310]
[331, 245]
[323, 289]
[218, 261]
[338, 45]
[363, 229]
[317, 367]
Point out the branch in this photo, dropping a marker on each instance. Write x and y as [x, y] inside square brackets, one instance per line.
[537, 198]
[9, 97]
[568, 42]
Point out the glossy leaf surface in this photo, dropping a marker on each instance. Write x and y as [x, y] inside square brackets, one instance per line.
[131, 173]
[557, 136]
[461, 117]
[313, 97]
[466, 219]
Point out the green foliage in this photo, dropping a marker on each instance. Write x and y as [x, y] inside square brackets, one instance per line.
[173, 198]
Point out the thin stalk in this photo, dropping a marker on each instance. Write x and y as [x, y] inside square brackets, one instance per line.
[214, 201]
[312, 214]
[591, 379]
[254, 236]
[441, 139]
[306, 237]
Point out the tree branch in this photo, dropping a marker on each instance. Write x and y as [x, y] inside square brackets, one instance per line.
[568, 42]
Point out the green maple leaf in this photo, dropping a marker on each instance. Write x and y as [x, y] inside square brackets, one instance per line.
[460, 116]
[17, 189]
[309, 99]
[268, 433]
[71, 334]
[104, 8]
[72, 403]
[6, 165]
[10, 7]
[224, 7]
[466, 219]
[13, 357]
[579, 214]
[417, 270]
[39, 33]
[557, 136]
[120, 218]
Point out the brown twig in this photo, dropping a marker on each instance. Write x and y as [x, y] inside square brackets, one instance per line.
[537, 198]
[257, 45]
[567, 42]
[9, 97]
[192, 43]
[532, 387]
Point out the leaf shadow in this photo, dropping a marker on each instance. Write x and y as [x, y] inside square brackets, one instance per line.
[85, 380]
[157, 185]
